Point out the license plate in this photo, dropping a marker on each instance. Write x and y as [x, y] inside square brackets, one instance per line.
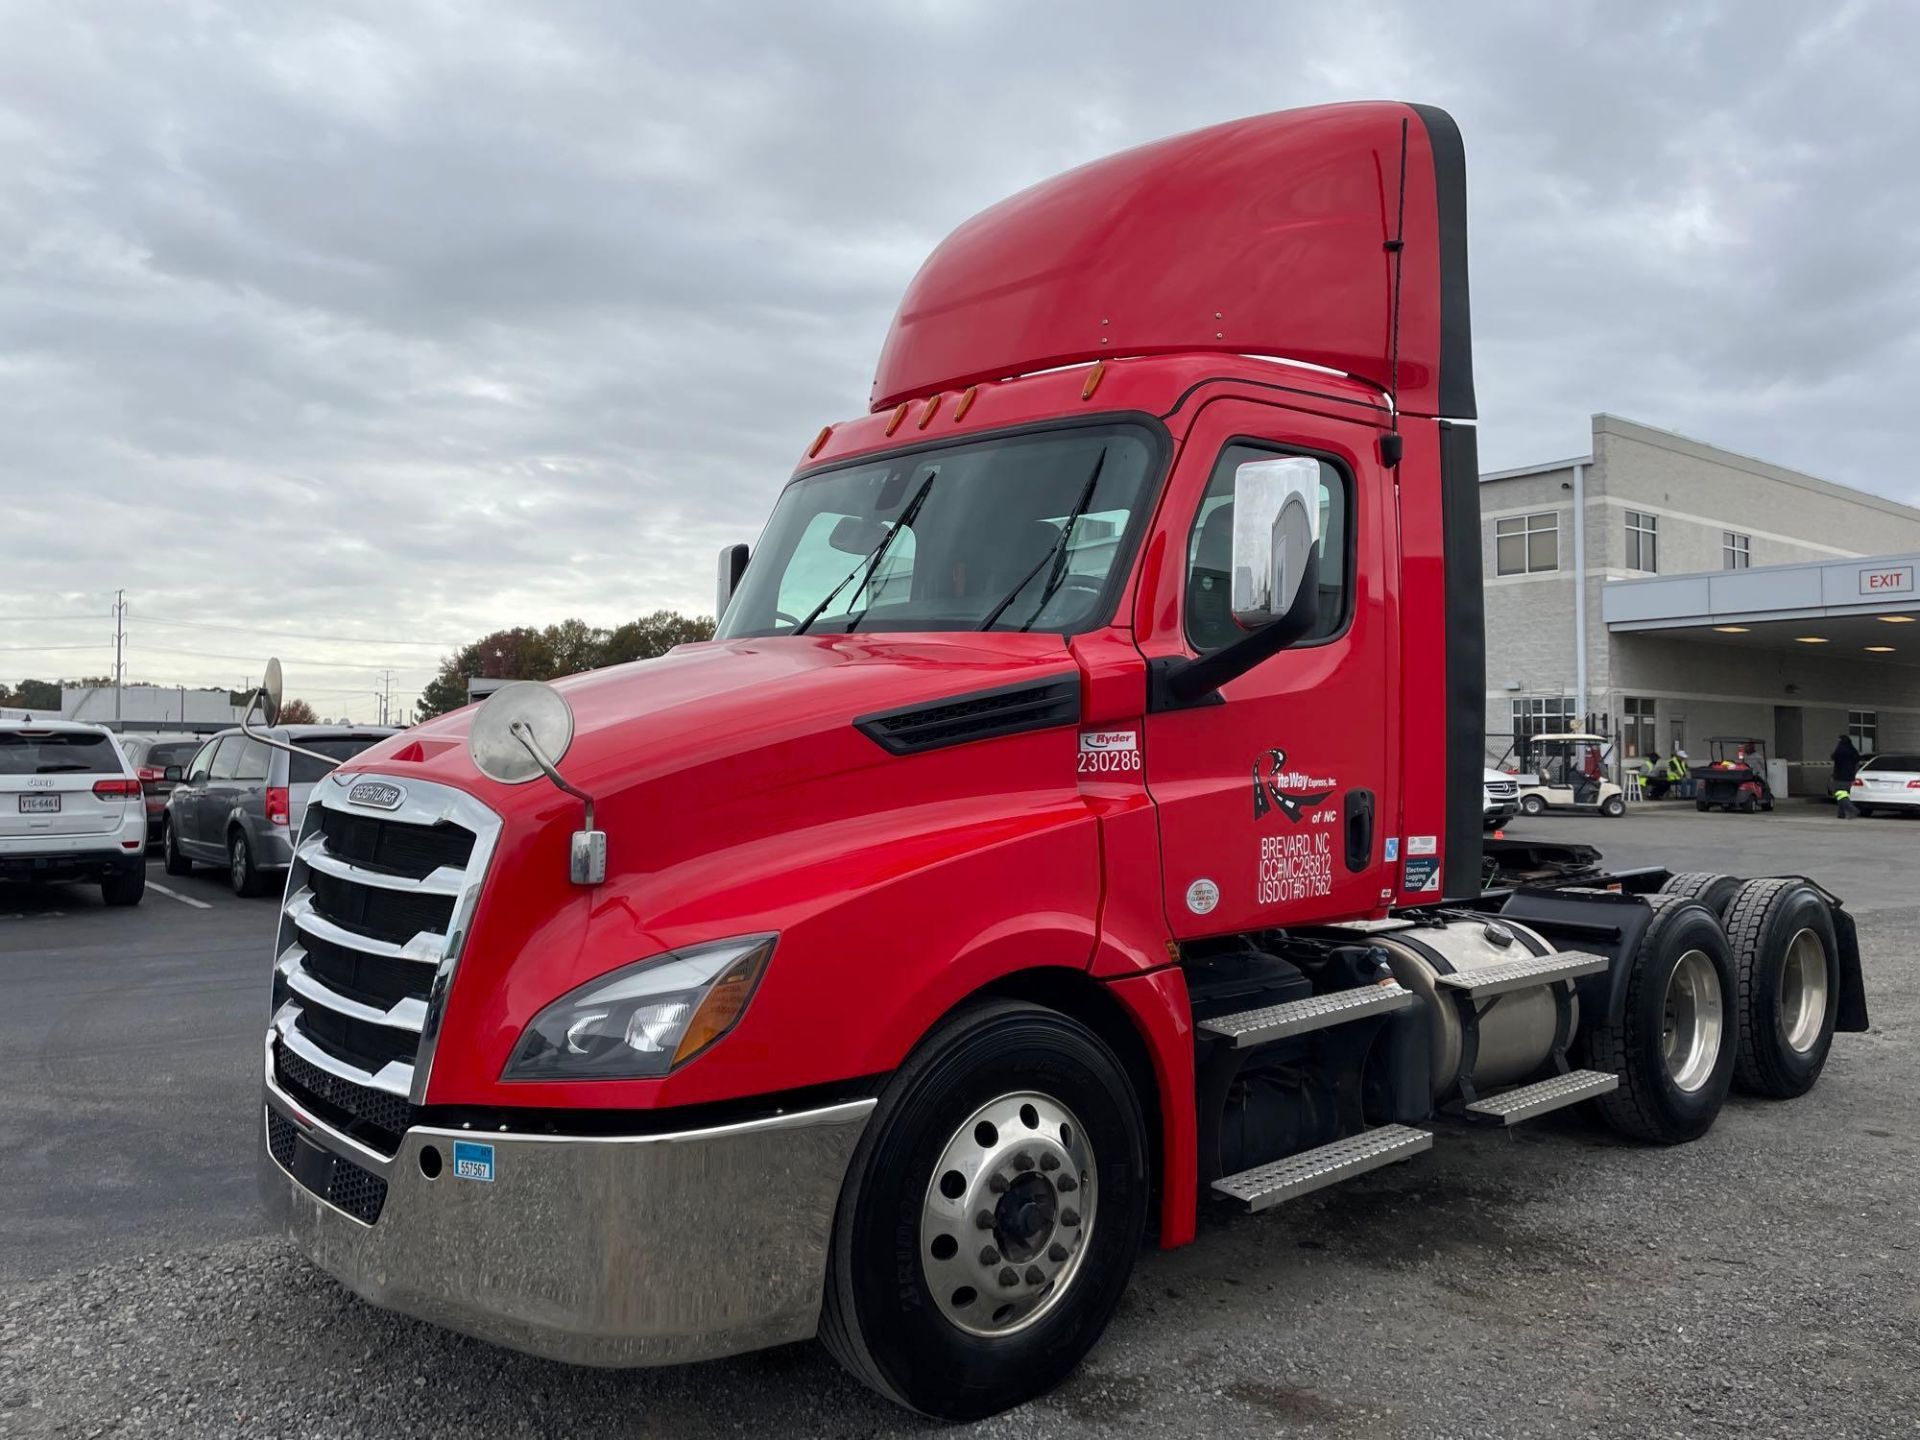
[39, 804]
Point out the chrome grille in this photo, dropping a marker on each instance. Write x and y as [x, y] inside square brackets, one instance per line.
[1503, 789]
[377, 908]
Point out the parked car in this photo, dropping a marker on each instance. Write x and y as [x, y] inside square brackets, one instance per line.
[1888, 782]
[1501, 795]
[70, 809]
[150, 755]
[238, 802]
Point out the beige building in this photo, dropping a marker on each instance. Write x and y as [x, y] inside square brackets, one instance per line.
[1664, 591]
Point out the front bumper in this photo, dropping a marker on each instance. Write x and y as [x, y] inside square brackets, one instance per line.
[615, 1250]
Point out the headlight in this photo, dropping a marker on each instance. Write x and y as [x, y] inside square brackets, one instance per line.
[643, 1019]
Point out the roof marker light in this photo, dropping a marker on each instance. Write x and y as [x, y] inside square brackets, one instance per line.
[1810, 639]
[933, 409]
[966, 404]
[1094, 376]
[819, 440]
[899, 414]
[1880, 649]
[1733, 629]
[1895, 619]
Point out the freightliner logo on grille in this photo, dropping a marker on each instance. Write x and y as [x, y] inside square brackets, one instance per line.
[378, 794]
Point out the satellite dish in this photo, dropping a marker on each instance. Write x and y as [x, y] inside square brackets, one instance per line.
[271, 691]
[543, 714]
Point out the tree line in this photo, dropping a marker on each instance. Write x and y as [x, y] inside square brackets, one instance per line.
[524, 653]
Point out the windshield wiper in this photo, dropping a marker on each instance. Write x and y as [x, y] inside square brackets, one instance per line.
[872, 561]
[1056, 554]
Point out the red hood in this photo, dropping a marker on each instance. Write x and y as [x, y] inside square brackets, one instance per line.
[701, 704]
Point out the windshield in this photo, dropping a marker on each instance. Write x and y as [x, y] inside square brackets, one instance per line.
[1027, 532]
[304, 769]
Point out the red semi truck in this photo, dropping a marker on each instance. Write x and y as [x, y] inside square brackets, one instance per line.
[1077, 814]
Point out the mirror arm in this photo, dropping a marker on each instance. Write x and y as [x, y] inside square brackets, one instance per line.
[523, 732]
[286, 745]
[1178, 682]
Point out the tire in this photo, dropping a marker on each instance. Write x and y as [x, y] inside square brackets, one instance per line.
[1658, 1102]
[1615, 807]
[1532, 805]
[1788, 959]
[242, 875]
[126, 888]
[1716, 892]
[172, 860]
[1863, 809]
[1747, 805]
[1701, 806]
[881, 1317]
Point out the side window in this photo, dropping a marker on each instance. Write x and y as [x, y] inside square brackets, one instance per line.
[254, 757]
[226, 761]
[202, 762]
[1209, 608]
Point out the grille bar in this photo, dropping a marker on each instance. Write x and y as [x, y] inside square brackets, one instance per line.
[446, 880]
[404, 1014]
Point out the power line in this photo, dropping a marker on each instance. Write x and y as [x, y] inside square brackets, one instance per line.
[298, 634]
[104, 645]
[24, 619]
[291, 660]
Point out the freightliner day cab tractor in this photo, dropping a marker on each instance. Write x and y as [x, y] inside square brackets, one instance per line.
[1053, 836]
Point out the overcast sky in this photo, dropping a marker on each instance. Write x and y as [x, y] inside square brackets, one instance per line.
[409, 321]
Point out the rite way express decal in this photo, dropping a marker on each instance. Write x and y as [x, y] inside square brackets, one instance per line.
[1297, 864]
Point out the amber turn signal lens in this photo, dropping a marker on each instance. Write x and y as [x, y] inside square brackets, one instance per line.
[723, 1003]
[899, 414]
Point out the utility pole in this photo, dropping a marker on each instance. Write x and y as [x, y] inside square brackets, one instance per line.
[386, 696]
[119, 649]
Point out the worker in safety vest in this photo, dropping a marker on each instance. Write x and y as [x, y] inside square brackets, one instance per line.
[1677, 766]
[1653, 779]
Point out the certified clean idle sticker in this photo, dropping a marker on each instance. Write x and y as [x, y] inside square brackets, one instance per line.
[1108, 752]
[1423, 845]
[1202, 896]
[473, 1161]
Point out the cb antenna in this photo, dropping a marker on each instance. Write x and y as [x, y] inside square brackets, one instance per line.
[1390, 443]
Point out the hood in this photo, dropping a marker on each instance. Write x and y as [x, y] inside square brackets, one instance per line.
[700, 705]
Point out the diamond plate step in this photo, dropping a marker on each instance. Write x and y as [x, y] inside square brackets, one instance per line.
[1297, 1017]
[1268, 1185]
[1523, 974]
[1510, 1107]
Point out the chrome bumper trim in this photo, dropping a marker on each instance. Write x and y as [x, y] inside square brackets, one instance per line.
[620, 1251]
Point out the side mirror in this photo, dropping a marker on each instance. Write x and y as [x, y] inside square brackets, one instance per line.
[174, 773]
[1276, 523]
[733, 564]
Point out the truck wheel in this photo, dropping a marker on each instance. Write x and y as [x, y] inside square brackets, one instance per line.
[1716, 892]
[1786, 953]
[1615, 806]
[246, 880]
[991, 1215]
[1674, 1046]
[174, 862]
[126, 888]
[1532, 805]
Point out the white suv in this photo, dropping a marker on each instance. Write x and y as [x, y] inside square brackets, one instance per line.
[71, 809]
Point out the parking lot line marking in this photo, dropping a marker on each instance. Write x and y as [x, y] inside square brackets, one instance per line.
[176, 895]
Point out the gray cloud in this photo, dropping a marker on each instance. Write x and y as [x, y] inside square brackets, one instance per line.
[405, 322]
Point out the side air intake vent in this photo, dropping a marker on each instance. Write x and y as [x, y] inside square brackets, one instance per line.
[1009, 710]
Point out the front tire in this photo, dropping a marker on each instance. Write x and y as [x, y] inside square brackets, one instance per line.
[1673, 1047]
[1615, 807]
[1788, 958]
[172, 860]
[991, 1216]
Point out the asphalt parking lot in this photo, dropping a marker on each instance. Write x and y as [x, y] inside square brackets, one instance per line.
[1552, 1281]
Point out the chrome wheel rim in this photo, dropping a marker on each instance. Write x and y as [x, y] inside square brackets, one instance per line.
[1008, 1215]
[1803, 991]
[1690, 1031]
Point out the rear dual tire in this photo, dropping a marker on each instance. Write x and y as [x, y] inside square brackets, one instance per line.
[915, 1306]
[1787, 955]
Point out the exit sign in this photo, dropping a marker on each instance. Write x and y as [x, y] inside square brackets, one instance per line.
[1896, 581]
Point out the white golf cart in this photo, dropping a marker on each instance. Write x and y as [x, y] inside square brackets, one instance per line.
[1563, 773]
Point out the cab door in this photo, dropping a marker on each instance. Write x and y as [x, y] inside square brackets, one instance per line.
[1276, 797]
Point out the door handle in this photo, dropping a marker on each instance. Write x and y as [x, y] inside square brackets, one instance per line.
[1357, 810]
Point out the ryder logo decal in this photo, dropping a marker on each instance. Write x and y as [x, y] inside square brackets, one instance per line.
[1291, 792]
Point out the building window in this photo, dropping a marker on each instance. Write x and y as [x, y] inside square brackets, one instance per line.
[1863, 726]
[1736, 551]
[1526, 544]
[1643, 540]
[1543, 715]
[1637, 732]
